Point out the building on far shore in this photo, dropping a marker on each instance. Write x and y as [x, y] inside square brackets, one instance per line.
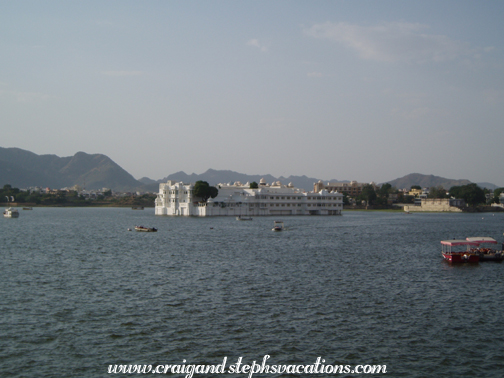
[177, 199]
[352, 188]
[437, 204]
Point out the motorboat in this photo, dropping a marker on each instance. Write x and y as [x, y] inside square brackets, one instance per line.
[11, 213]
[278, 226]
[457, 251]
[241, 218]
[145, 229]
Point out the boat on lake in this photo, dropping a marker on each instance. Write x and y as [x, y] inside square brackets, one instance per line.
[145, 229]
[486, 252]
[278, 226]
[241, 218]
[137, 208]
[27, 208]
[457, 251]
[11, 213]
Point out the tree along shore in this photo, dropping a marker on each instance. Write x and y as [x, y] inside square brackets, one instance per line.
[15, 197]
[468, 209]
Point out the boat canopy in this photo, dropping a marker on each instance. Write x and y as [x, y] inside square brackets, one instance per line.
[459, 242]
[482, 239]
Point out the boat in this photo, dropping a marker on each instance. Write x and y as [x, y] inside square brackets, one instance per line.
[486, 253]
[145, 229]
[459, 251]
[137, 207]
[11, 213]
[278, 226]
[27, 208]
[240, 218]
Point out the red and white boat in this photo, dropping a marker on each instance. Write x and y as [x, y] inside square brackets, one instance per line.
[460, 251]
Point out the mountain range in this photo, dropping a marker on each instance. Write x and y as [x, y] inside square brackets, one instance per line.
[23, 169]
[214, 177]
[426, 181]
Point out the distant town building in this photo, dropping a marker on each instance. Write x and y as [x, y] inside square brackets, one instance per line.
[237, 199]
[437, 204]
[415, 192]
[352, 188]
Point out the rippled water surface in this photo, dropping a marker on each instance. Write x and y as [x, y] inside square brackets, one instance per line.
[79, 292]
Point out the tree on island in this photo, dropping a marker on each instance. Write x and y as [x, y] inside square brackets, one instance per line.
[203, 190]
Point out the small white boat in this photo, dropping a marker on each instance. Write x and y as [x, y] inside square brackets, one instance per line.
[278, 226]
[240, 218]
[145, 229]
[11, 213]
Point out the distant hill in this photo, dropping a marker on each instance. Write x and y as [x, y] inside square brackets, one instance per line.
[147, 181]
[487, 185]
[22, 169]
[214, 177]
[426, 181]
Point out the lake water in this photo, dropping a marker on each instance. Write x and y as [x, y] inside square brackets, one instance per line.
[78, 292]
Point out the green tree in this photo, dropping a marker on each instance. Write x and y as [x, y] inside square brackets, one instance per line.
[203, 190]
[437, 192]
[385, 190]
[254, 185]
[415, 187]
[471, 193]
[346, 201]
[34, 197]
[7, 192]
[368, 194]
[496, 195]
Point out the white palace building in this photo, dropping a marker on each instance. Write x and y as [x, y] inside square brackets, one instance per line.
[176, 199]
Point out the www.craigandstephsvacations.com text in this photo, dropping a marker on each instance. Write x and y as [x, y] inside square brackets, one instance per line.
[189, 370]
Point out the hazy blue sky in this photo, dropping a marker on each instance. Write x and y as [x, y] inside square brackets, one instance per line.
[347, 90]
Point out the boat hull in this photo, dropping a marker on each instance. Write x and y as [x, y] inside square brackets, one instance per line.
[457, 257]
[11, 213]
[145, 229]
[491, 257]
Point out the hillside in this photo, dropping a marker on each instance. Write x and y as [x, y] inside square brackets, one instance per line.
[22, 169]
[426, 181]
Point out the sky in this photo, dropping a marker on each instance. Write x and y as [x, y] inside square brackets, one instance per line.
[344, 90]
